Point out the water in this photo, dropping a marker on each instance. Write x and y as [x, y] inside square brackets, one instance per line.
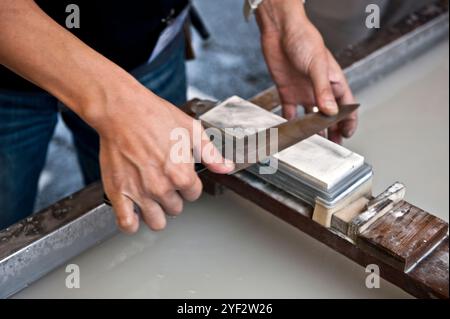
[404, 130]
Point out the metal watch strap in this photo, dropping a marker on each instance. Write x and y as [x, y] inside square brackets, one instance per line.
[250, 6]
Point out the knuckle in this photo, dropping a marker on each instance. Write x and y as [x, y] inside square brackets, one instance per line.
[326, 92]
[161, 191]
[157, 224]
[183, 181]
[194, 193]
[158, 188]
[117, 184]
[177, 208]
[126, 223]
[182, 176]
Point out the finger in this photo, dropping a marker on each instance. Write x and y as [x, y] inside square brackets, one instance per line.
[152, 214]
[212, 158]
[338, 91]
[172, 203]
[185, 180]
[348, 126]
[341, 89]
[204, 151]
[334, 134]
[322, 88]
[127, 220]
[162, 190]
[289, 111]
[344, 95]
[194, 192]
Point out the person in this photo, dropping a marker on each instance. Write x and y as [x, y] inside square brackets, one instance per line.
[116, 84]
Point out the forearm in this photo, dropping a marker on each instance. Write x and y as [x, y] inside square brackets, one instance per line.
[37, 48]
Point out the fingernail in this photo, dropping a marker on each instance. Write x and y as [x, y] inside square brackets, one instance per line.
[348, 131]
[331, 107]
[229, 164]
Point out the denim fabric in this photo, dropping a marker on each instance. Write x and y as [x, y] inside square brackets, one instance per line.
[28, 120]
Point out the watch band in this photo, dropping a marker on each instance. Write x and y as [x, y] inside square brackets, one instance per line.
[250, 6]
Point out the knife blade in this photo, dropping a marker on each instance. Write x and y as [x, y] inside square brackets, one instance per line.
[289, 134]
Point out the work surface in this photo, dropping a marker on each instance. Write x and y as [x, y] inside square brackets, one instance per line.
[228, 247]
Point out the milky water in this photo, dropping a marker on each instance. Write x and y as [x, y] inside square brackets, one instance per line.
[228, 247]
[404, 130]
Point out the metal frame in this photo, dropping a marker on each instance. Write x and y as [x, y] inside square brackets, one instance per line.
[37, 245]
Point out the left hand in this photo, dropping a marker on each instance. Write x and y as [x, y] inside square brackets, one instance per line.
[306, 73]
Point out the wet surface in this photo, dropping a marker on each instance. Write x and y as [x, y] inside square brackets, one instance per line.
[219, 247]
[404, 130]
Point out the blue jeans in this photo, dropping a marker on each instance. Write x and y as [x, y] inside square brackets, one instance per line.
[28, 120]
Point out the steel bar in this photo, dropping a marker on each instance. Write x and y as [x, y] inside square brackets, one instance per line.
[43, 242]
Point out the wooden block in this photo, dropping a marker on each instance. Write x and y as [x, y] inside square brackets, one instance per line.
[395, 192]
[376, 209]
[433, 271]
[403, 236]
[341, 219]
[323, 214]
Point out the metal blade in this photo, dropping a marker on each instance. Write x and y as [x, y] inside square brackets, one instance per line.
[292, 132]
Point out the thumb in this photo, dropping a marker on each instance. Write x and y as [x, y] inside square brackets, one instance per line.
[322, 88]
[213, 159]
[208, 154]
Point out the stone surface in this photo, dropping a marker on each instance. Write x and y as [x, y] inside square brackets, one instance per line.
[244, 117]
[320, 161]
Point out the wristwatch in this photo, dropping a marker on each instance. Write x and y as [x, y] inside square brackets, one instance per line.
[250, 6]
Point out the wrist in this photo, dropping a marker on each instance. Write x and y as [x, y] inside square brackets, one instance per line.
[107, 98]
[281, 15]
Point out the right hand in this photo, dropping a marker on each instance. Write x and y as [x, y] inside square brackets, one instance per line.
[135, 145]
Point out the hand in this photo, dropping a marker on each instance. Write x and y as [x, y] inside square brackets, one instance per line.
[135, 159]
[134, 125]
[305, 72]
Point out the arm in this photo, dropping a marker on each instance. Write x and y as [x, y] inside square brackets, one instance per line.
[302, 68]
[134, 149]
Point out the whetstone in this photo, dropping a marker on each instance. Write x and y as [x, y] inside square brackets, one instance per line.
[403, 236]
[245, 118]
[319, 161]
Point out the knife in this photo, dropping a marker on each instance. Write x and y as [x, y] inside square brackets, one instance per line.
[289, 134]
